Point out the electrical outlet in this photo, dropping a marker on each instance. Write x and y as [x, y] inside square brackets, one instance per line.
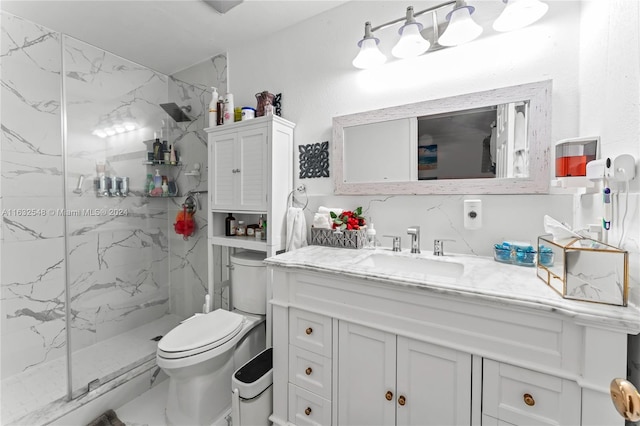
[472, 214]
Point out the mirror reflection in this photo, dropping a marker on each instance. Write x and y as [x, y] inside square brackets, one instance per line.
[485, 142]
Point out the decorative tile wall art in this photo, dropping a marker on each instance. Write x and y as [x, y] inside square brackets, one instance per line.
[314, 160]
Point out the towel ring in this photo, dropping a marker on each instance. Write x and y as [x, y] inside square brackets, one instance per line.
[291, 198]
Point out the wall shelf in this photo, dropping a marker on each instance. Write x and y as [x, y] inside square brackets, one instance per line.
[248, 243]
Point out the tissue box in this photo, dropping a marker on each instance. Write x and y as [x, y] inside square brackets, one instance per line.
[584, 269]
[343, 239]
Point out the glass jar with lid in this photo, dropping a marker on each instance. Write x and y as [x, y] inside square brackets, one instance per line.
[241, 229]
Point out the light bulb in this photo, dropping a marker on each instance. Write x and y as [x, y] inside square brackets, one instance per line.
[109, 131]
[129, 126]
[461, 29]
[519, 13]
[369, 55]
[411, 42]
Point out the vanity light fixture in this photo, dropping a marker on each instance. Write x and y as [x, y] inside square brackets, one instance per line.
[519, 13]
[411, 42]
[461, 28]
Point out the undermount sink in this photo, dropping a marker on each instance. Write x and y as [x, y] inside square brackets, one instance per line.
[412, 265]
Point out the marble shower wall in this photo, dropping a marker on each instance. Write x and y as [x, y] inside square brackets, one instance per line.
[118, 248]
[32, 295]
[188, 258]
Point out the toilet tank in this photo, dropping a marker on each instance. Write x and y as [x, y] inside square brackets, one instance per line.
[249, 282]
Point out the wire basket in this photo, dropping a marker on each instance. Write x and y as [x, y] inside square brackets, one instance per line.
[341, 239]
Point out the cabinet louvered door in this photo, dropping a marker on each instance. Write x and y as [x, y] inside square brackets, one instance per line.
[222, 159]
[252, 169]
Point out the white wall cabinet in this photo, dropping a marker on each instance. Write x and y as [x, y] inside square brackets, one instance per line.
[239, 170]
[388, 379]
[440, 359]
[250, 175]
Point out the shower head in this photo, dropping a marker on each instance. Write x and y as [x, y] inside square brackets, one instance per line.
[177, 112]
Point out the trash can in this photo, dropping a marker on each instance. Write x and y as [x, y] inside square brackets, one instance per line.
[252, 389]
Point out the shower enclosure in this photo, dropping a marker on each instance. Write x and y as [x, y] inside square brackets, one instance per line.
[86, 273]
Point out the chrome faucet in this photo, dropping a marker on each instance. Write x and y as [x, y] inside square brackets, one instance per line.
[438, 246]
[396, 242]
[414, 231]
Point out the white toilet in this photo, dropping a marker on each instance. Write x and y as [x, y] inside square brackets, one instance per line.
[201, 354]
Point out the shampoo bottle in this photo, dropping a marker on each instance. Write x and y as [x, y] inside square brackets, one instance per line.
[157, 180]
[213, 108]
[220, 111]
[158, 154]
[228, 109]
[172, 156]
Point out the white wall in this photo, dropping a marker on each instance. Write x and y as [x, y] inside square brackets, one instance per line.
[310, 64]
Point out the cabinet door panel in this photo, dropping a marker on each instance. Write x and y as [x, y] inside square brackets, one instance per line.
[252, 145]
[366, 365]
[436, 384]
[222, 154]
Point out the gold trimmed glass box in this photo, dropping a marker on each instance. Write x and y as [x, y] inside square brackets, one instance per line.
[584, 269]
[341, 239]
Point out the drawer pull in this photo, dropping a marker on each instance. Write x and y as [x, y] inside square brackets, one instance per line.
[389, 395]
[309, 331]
[528, 399]
[307, 411]
[308, 371]
[402, 400]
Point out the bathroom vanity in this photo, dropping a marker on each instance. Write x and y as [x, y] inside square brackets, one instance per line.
[375, 337]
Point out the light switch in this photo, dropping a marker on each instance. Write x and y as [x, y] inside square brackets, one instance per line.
[472, 214]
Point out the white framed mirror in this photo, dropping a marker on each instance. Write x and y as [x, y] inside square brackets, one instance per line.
[491, 142]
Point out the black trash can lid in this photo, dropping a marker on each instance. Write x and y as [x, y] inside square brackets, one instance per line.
[256, 367]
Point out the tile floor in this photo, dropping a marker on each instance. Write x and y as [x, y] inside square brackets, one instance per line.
[36, 388]
[147, 409]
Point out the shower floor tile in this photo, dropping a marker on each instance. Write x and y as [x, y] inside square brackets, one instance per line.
[33, 390]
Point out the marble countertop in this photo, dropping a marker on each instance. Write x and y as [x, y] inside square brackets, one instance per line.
[482, 278]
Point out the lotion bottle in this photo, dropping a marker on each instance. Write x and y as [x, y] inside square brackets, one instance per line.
[213, 108]
[228, 109]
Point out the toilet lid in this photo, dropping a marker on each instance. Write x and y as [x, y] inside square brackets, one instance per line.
[201, 333]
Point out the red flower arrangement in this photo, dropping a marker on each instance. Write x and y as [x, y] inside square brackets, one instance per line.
[348, 220]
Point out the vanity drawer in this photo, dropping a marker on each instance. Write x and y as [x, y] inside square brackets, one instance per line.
[310, 331]
[306, 408]
[310, 371]
[520, 396]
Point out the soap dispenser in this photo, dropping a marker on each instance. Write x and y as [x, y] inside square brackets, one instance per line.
[370, 242]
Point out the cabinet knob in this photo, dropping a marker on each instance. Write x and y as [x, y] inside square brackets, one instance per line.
[307, 411]
[309, 330]
[389, 395]
[308, 371]
[402, 400]
[528, 399]
[626, 399]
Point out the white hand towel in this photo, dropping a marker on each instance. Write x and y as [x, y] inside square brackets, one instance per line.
[322, 221]
[296, 229]
[323, 209]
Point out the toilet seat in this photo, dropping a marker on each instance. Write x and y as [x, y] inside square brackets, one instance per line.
[200, 334]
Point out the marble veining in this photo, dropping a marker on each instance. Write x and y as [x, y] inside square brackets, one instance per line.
[482, 279]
